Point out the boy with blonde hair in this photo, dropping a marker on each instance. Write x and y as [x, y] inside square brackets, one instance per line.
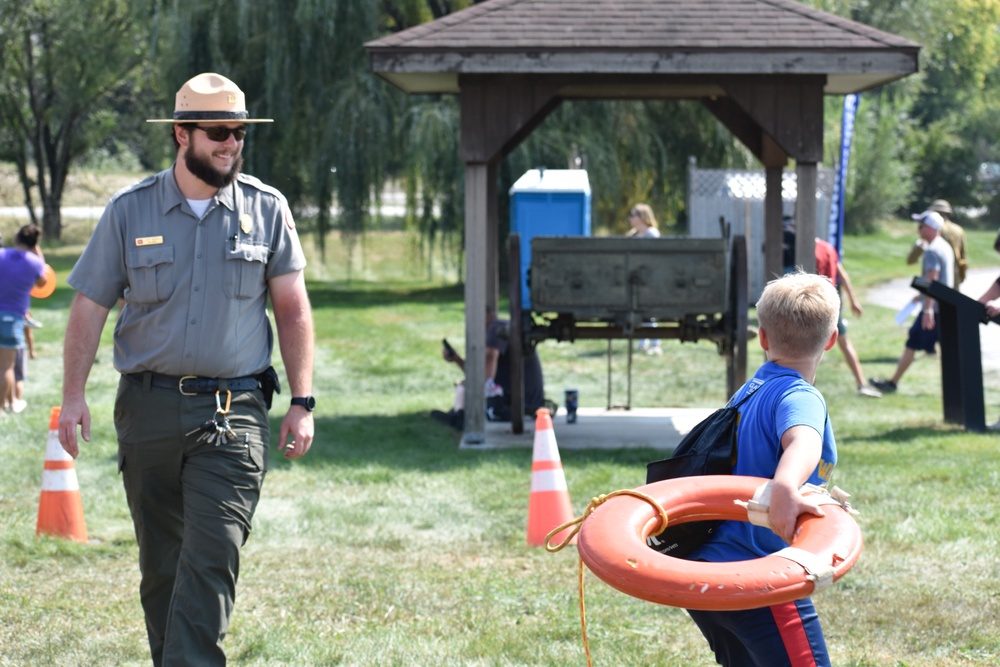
[784, 435]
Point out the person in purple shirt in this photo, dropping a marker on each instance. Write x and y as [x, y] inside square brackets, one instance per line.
[22, 267]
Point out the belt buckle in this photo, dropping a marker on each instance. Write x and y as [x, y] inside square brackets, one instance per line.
[180, 385]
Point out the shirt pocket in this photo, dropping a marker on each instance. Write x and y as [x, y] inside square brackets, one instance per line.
[245, 265]
[150, 274]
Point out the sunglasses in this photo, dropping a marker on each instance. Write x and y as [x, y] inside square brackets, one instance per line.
[219, 133]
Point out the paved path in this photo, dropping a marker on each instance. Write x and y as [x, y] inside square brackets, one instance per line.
[597, 428]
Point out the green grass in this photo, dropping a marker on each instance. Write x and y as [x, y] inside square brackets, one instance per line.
[388, 545]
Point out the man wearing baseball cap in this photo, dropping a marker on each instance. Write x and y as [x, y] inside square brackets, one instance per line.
[939, 265]
[952, 233]
[194, 252]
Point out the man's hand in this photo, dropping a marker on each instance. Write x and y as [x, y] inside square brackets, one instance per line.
[83, 334]
[293, 318]
[928, 319]
[73, 412]
[296, 434]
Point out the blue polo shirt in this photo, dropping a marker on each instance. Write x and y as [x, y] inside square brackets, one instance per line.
[781, 399]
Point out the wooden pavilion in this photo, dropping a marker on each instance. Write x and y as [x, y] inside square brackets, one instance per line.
[761, 67]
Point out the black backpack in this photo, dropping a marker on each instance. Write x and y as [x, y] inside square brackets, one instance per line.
[709, 449]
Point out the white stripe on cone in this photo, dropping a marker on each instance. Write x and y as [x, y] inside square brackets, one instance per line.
[60, 480]
[548, 480]
[53, 450]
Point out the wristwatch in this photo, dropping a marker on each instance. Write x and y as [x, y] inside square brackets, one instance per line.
[308, 402]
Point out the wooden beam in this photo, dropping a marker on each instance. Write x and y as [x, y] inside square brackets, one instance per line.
[789, 109]
[738, 122]
[500, 110]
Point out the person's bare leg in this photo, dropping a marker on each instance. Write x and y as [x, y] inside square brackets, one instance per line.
[7, 357]
[904, 363]
[851, 357]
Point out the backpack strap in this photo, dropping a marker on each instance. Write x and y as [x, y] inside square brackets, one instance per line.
[750, 392]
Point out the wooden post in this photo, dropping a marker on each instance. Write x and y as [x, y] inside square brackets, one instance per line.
[476, 267]
[805, 217]
[492, 240]
[774, 159]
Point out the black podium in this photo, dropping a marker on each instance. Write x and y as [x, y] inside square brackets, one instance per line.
[959, 318]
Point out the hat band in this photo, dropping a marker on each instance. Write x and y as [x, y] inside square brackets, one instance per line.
[211, 115]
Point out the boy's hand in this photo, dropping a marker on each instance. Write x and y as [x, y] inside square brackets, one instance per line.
[802, 447]
[787, 504]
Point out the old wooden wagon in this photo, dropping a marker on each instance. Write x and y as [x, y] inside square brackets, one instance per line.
[679, 288]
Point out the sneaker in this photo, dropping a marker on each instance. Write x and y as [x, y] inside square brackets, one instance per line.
[655, 350]
[18, 405]
[884, 386]
[870, 392]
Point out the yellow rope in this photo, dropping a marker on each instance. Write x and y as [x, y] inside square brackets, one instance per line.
[576, 524]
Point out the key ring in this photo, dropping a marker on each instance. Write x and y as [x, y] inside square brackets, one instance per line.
[218, 402]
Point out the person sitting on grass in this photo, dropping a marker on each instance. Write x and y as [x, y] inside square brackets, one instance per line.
[784, 434]
[498, 386]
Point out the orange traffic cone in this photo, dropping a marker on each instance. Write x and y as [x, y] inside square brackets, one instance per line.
[548, 506]
[60, 510]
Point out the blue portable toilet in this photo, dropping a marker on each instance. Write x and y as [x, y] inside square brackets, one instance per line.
[548, 202]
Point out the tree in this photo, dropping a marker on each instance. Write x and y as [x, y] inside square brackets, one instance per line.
[945, 114]
[339, 131]
[62, 61]
[881, 167]
[634, 151]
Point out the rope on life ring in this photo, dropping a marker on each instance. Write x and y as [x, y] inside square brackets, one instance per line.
[576, 524]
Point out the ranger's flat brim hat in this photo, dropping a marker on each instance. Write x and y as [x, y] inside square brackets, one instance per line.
[210, 97]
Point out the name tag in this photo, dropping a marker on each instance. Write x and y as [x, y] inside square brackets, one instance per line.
[149, 240]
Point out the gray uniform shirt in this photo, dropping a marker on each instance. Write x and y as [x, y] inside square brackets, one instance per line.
[195, 290]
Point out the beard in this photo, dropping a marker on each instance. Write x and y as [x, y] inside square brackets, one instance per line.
[204, 170]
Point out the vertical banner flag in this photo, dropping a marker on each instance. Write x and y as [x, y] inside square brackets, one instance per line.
[836, 235]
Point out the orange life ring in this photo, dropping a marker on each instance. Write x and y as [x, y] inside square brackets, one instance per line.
[49, 287]
[612, 542]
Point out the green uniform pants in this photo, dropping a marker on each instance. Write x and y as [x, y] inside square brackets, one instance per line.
[191, 503]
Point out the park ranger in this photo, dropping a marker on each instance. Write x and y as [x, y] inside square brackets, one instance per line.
[193, 253]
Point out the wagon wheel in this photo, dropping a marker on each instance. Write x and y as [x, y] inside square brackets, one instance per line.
[515, 341]
[736, 346]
